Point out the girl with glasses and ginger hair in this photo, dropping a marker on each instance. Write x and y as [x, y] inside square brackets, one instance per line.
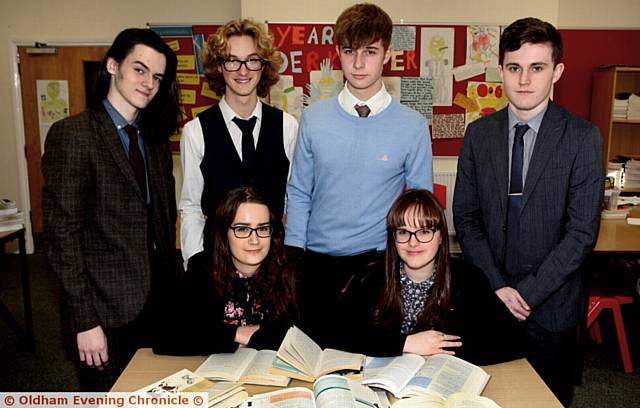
[245, 297]
[422, 301]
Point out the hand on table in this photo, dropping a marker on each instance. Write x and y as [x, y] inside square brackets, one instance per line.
[430, 342]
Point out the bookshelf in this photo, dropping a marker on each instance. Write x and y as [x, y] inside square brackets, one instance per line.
[621, 137]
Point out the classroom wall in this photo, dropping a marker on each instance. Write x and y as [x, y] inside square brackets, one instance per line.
[86, 21]
[77, 21]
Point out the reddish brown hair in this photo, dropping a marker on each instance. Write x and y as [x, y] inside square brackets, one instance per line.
[363, 24]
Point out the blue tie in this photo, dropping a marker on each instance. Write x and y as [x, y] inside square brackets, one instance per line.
[515, 200]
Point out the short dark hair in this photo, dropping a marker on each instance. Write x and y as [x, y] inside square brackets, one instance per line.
[217, 50]
[363, 24]
[534, 31]
[161, 117]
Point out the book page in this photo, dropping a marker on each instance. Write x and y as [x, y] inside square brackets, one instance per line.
[227, 366]
[444, 375]
[458, 400]
[258, 371]
[332, 391]
[296, 397]
[333, 360]
[305, 348]
[302, 348]
[391, 373]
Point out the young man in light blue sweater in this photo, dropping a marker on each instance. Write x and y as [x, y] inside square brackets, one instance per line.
[354, 155]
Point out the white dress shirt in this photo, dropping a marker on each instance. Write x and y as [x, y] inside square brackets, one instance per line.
[192, 219]
[377, 103]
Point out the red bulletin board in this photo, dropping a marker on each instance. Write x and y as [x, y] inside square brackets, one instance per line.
[187, 42]
[304, 46]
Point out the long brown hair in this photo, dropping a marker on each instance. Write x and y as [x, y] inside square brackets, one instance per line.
[275, 285]
[424, 206]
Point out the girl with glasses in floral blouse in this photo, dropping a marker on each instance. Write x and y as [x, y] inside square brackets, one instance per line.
[243, 296]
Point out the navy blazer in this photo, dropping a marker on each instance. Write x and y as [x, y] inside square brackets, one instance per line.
[560, 214]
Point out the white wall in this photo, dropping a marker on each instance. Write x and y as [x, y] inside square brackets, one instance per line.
[98, 21]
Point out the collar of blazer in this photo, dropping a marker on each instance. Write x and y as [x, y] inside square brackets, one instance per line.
[108, 132]
[549, 135]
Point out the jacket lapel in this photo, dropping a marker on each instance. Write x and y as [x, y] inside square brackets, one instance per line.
[109, 135]
[551, 130]
[498, 146]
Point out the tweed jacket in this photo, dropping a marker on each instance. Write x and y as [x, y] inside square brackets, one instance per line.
[560, 214]
[95, 218]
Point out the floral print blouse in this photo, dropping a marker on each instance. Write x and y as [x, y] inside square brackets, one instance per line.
[243, 309]
[414, 297]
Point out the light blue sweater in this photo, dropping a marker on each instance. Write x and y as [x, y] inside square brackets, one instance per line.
[346, 173]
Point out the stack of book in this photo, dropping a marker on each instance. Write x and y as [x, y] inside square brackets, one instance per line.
[11, 218]
[620, 107]
[633, 109]
[632, 174]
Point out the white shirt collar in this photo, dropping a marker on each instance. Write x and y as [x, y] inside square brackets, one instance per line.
[377, 103]
[228, 113]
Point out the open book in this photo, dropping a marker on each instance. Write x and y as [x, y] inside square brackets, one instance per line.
[329, 391]
[300, 357]
[246, 365]
[411, 375]
[457, 400]
[221, 394]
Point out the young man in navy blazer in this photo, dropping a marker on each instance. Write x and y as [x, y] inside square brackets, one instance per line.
[527, 201]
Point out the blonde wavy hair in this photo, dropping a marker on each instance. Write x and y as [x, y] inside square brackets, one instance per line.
[217, 51]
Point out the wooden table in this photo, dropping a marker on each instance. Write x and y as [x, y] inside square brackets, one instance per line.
[512, 384]
[27, 333]
[616, 236]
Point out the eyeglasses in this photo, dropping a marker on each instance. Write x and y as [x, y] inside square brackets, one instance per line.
[243, 232]
[252, 64]
[424, 235]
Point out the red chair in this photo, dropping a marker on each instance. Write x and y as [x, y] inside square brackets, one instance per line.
[600, 300]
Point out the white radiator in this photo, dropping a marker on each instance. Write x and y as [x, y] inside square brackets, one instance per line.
[448, 178]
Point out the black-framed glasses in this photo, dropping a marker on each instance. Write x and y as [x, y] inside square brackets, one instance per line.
[243, 232]
[252, 64]
[424, 235]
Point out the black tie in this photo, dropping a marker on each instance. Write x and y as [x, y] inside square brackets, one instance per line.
[515, 200]
[248, 146]
[136, 160]
[363, 110]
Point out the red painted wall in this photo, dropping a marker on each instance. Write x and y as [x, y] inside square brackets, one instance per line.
[584, 51]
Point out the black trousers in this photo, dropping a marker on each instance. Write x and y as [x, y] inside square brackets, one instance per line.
[554, 356]
[328, 286]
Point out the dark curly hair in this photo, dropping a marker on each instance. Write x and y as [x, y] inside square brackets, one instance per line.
[217, 50]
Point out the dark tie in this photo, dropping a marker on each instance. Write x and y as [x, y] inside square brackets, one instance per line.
[248, 146]
[136, 160]
[363, 110]
[515, 200]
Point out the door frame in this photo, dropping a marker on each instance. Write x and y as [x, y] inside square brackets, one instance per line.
[18, 118]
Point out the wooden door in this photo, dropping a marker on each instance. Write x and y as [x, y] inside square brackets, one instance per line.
[76, 65]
